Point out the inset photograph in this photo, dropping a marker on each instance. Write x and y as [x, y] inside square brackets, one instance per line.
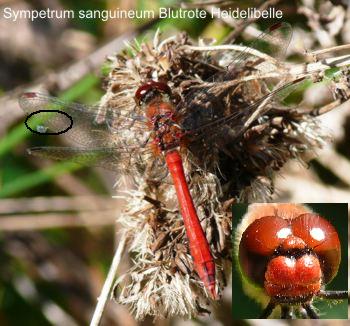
[290, 261]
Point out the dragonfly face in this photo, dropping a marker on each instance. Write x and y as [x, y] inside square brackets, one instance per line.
[290, 253]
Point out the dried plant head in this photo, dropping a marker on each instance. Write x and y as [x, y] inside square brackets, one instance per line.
[220, 169]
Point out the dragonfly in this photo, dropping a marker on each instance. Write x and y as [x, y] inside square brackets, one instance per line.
[150, 139]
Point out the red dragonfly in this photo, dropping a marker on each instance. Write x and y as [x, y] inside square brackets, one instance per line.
[154, 132]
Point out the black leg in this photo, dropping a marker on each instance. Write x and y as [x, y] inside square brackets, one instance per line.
[337, 295]
[311, 312]
[268, 310]
[287, 312]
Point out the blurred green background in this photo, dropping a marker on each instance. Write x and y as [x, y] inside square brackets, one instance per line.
[337, 214]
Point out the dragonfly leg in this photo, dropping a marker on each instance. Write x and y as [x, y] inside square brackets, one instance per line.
[268, 310]
[310, 310]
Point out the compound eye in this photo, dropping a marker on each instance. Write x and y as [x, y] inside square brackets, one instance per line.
[323, 238]
[144, 89]
[258, 243]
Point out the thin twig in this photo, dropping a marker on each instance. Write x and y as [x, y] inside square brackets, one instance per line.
[326, 108]
[331, 49]
[324, 64]
[31, 222]
[107, 287]
[56, 204]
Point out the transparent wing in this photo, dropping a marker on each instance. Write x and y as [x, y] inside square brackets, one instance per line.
[240, 119]
[131, 162]
[260, 59]
[264, 53]
[273, 42]
[92, 126]
[124, 149]
[108, 157]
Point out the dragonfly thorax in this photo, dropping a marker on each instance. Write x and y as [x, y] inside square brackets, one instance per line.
[163, 122]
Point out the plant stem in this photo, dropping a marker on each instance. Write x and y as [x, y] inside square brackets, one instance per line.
[107, 286]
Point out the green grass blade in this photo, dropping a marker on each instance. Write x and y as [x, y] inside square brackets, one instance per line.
[36, 178]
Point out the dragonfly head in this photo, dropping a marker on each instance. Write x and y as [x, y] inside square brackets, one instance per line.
[149, 90]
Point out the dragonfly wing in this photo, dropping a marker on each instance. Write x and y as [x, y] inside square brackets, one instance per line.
[241, 119]
[133, 162]
[260, 60]
[104, 137]
[106, 158]
[273, 42]
[84, 125]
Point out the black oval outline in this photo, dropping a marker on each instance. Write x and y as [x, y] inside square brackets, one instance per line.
[49, 133]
